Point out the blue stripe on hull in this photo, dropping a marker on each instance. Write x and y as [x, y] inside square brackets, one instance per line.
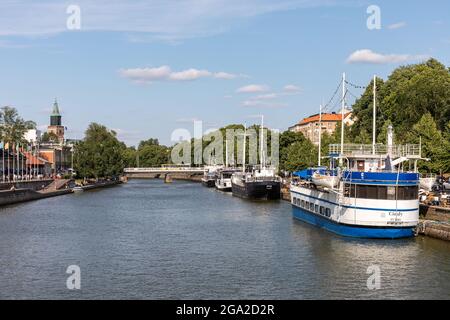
[350, 231]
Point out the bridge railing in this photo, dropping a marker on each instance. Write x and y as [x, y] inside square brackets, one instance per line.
[164, 169]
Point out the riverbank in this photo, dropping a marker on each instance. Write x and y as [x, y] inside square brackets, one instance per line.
[102, 184]
[36, 190]
[8, 197]
[435, 222]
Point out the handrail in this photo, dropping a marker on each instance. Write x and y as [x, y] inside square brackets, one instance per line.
[380, 149]
[162, 169]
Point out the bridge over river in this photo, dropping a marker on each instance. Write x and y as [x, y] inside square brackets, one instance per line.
[166, 172]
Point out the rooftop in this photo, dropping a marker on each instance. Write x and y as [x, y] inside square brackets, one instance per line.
[325, 117]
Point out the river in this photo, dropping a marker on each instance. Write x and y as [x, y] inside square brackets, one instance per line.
[150, 240]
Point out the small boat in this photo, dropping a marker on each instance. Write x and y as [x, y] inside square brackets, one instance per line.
[325, 180]
[223, 181]
[77, 189]
[427, 182]
[210, 176]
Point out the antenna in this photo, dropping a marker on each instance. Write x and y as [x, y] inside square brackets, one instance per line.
[320, 134]
[245, 144]
[243, 153]
[261, 149]
[342, 122]
[226, 153]
[374, 141]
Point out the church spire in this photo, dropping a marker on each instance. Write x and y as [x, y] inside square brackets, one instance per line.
[55, 111]
[55, 117]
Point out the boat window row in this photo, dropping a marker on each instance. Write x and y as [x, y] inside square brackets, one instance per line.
[310, 206]
[381, 192]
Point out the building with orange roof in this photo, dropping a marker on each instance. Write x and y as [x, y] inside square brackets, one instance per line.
[310, 126]
[37, 164]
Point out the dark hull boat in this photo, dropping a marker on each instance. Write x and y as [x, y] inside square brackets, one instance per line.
[258, 190]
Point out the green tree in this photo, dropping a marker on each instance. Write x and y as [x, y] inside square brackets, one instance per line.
[434, 145]
[129, 156]
[296, 152]
[99, 154]
[49, 137]
[415, 90]
[363, 113]
[300, 155]
[153, 155]
[148, 142]
[12, 126]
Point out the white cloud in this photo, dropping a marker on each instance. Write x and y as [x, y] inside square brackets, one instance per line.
[190, 74]
[397, 25]
[225, 75]
[290, 88]
[165, 73]
[268, 96]
[252, 88]
[262, 104]
[147, 74]
[162, 19]
[368, 56]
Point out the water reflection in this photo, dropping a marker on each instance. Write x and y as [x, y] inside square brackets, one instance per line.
[146, 239]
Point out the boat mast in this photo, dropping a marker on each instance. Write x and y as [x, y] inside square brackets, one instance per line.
[374, 129]
[226, 153]
[342, 118]
[320, 135]
[261, 149]
[243, 154]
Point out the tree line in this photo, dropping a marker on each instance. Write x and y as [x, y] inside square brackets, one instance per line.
[415, 100]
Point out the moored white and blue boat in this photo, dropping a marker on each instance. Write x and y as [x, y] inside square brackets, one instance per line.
[370, 191]
[364, 205]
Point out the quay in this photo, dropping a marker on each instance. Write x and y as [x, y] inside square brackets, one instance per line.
[24, 191]
[101, 184]
[435, 222]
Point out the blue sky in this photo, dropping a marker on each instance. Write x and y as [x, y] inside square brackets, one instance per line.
[145, 68]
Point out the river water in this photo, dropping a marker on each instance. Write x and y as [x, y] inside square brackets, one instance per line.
[150, 240]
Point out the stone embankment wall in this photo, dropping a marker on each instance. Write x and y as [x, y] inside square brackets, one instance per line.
[435, 222]
[23, 195]
[434, 229]
[33, 185]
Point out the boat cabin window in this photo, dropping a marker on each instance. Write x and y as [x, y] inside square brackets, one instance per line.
[360, 165]
[316, 208]
[311, 206]
[303, 203]
[381, 192]
[328, 212]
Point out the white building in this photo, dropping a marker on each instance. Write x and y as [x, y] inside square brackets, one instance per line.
[33, 135]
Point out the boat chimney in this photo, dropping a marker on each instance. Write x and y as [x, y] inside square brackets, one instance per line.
[390, 139]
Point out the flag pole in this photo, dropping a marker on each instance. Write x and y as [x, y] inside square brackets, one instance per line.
[3, 161]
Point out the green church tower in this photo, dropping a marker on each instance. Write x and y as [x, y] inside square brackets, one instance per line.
[55, 117]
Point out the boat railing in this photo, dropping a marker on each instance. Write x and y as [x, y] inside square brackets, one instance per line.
[261, 179]
[407, 150]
